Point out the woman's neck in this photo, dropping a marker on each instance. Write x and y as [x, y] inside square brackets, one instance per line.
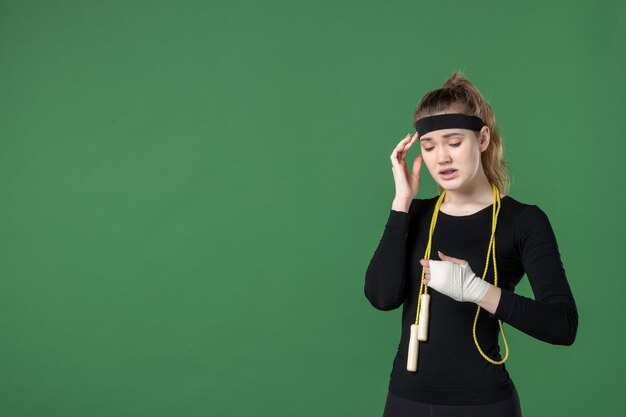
[478, 193]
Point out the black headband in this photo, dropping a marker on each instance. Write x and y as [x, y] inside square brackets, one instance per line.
[448, 121]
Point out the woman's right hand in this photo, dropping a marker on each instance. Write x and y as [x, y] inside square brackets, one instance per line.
[407, 183]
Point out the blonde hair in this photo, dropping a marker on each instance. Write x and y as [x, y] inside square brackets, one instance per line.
[460, 94]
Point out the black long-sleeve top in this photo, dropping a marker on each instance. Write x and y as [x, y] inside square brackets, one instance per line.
[450, 369]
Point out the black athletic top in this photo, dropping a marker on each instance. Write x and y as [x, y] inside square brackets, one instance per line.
[450, 368]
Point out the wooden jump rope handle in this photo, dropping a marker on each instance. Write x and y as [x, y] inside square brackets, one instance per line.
[418, 333]
[422, 330]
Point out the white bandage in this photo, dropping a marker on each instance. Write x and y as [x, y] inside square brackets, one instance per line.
[457, 281]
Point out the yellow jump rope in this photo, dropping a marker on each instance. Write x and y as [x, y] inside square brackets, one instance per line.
[419, 330]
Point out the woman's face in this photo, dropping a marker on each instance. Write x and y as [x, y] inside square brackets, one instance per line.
[454, 149]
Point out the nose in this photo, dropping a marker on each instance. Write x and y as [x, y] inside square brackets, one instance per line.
[443, 156]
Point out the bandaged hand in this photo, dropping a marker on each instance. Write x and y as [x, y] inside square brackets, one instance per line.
[454, 278]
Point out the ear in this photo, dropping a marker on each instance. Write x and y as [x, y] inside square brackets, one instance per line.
[484, 137]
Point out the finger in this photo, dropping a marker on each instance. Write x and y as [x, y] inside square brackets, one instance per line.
[450, 258]
[396, 160]
[401, 144]
[404, 141]
[399, 152]
[408, 145]
[417, 166]
[395, 154]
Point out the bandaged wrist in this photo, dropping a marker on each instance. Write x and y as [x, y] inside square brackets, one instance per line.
[457, 281]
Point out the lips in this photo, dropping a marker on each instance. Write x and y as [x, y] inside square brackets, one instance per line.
[447, 174]
[446, 171]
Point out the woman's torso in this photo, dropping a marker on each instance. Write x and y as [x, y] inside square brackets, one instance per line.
[450, 368]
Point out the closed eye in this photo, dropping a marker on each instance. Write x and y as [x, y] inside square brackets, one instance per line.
[456, 145]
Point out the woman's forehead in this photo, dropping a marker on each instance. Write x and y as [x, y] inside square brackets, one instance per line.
[445, 134]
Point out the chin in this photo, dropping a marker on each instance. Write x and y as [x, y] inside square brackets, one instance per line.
[451, 185]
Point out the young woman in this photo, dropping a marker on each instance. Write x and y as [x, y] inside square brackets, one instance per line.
[448, 361]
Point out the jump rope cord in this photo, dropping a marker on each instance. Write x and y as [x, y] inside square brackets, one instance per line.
[492, 244]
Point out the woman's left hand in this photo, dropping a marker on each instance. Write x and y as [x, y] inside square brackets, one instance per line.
[454, 277]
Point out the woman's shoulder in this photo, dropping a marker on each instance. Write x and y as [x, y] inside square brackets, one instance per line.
[422, 204]
[519, 207]
[527, 216]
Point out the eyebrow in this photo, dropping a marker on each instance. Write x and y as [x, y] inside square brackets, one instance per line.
[447, 135]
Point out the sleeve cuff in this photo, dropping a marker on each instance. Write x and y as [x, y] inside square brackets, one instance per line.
[505, 306]
[398, 221]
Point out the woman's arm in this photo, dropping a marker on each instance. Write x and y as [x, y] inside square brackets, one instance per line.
[491, 300]
[386, 273]
[552, 316]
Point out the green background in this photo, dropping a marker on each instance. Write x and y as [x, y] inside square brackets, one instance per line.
[190, 194]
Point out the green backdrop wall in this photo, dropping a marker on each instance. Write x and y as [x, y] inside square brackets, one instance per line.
[190, 193]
